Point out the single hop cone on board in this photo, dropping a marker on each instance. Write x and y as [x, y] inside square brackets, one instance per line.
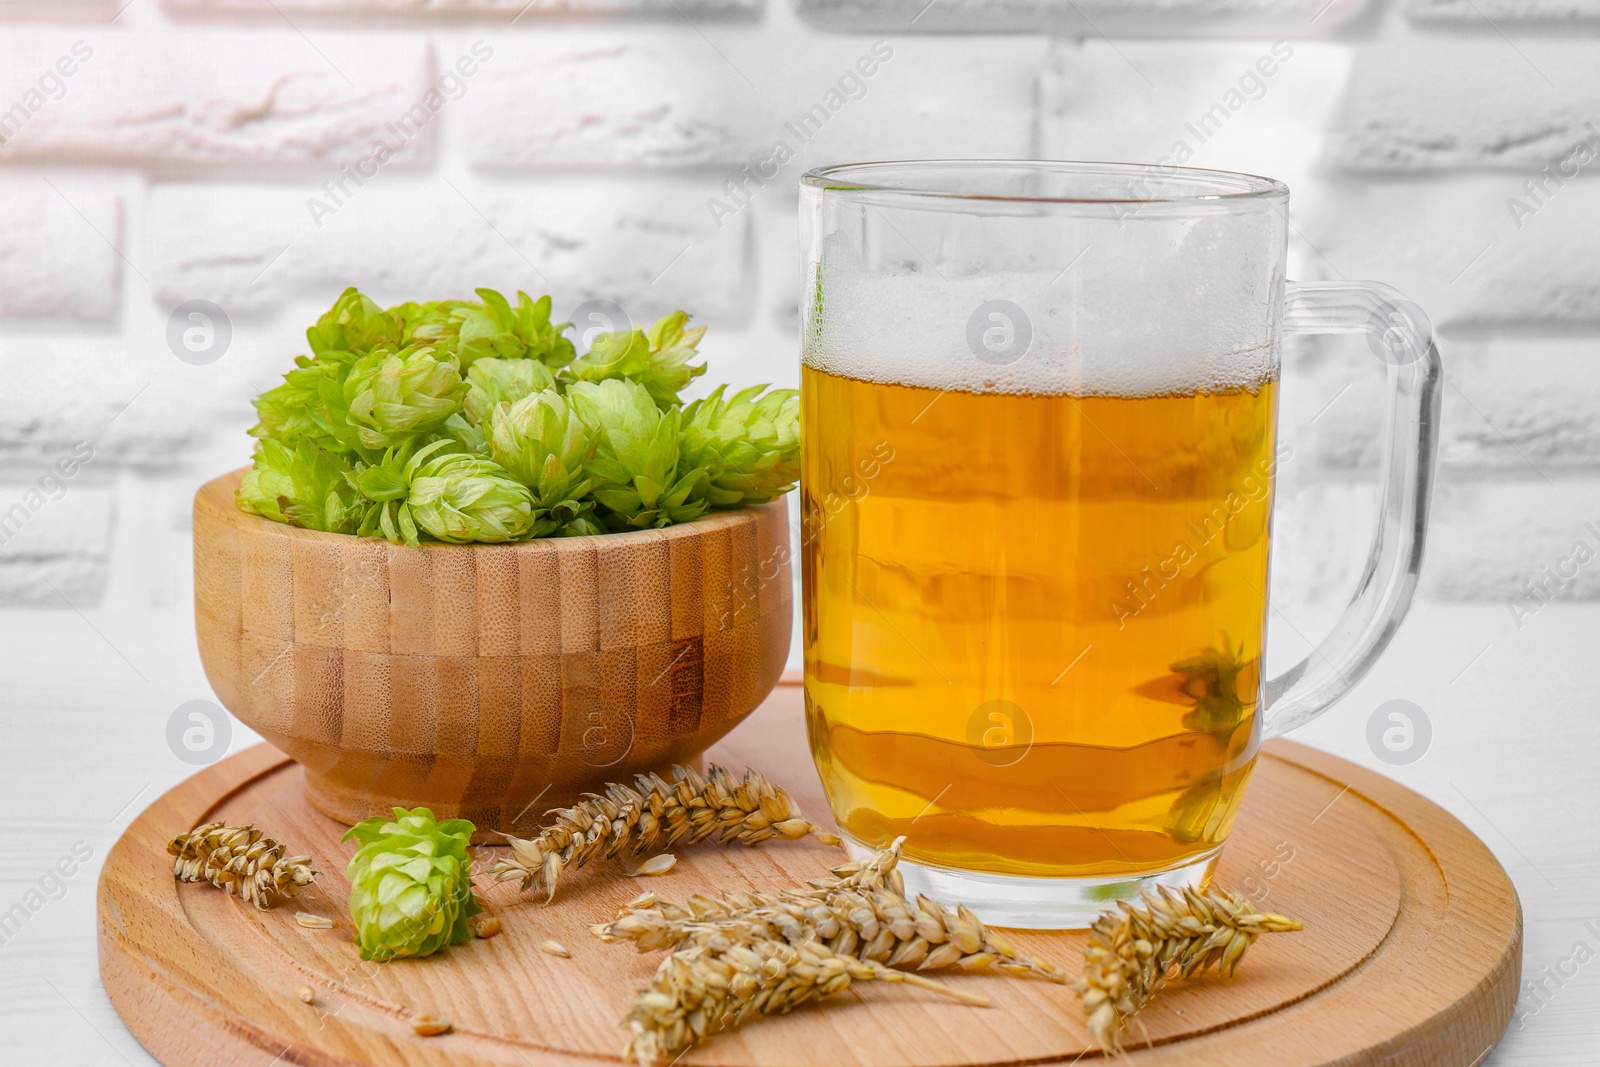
[656, 814]
[861, 912]
[1168, 934]
[240, 861]
[697, 992]
[410, 884]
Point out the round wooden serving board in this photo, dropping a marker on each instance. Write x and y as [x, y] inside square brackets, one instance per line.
[1411, 952]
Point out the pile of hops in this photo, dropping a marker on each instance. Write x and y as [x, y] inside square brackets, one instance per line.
[465, 421]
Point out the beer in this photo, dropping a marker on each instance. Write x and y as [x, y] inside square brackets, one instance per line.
[1034, 622]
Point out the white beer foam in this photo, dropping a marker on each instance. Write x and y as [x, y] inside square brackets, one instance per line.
[1091, 335]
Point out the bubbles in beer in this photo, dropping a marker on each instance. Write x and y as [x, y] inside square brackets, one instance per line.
[999, 332]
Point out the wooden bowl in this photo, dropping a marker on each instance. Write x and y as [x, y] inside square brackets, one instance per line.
[487, 682]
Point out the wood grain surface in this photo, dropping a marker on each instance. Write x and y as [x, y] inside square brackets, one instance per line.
[475, 678]
[1410, 956]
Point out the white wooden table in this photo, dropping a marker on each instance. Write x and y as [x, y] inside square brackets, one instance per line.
[85, 699]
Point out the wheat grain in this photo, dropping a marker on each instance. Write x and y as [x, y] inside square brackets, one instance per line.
[1168, 934]
[862, 912]
[430, 1026]
[699, 991]
[655, 814]
[238, 860]
[656, 865]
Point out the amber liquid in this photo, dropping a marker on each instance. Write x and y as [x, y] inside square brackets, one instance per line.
[1033, 624]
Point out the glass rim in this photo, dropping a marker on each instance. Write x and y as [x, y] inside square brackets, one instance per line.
[1207, 185]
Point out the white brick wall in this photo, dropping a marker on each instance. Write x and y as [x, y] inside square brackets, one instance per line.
[1421, 104]
[1555, 13]
[51, 263]
[1096, 18]
[619, 97]
[649, 246]
[1164, 93]
[1452, 244]
[1517, 406]
[185, 101]
[57, 536]
[501, 9]
[201, 149]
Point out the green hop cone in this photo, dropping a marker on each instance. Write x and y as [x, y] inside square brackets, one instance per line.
[449, 495]
[287, 412]
[498, 329]
[269, 480]
[391, 396]
[295, 410]
[460, 498]
[492, 380]
[749, 445]
[471, 331]
[657, 360]
[302, 486]
[410, 884]
[1211, 681]
[429, 323]
[543, 444]
[354, 324]
[471, 420]
[635, 468]
[464, 434]
[385, 489]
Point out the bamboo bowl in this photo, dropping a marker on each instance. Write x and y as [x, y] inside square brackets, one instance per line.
[487, 682]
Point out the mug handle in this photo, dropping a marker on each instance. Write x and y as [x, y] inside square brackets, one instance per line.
[1400, 334]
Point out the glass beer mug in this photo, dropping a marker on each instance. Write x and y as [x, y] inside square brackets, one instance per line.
[1039, 437]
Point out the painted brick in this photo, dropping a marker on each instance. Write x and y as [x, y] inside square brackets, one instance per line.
[1514, 406]
[1491, 538]
[783, 261]
[58, 11]
[180, 100]
[1155, 18]
[1456, 248]
[522, 11]
[55, 542]
[132, 402]
[1523, 405]
[132, 399]
[1200, 104]
[649, 247]
[1479, 13]
[1487, 538]
[53, 583]
[671, 98]
[1470, 103]
[57, 258]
